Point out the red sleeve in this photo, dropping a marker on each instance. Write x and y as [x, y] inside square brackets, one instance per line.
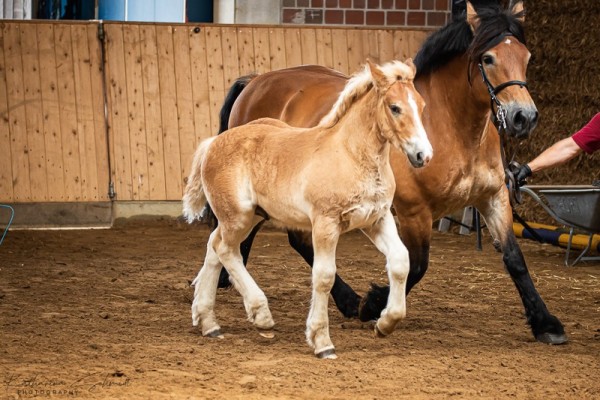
[588, 137]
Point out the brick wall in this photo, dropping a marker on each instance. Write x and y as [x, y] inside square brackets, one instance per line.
[410, 13]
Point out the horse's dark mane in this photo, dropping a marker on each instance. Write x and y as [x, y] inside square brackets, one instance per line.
[456, 38]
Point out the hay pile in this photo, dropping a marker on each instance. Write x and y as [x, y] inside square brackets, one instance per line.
[564, 80]
[564, 76]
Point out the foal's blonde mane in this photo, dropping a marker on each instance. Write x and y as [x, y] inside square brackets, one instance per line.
[359, 84]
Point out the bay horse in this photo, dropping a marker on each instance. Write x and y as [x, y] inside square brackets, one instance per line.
[472, 62]
[325, 180]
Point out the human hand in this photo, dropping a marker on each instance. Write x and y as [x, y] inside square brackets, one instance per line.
[521, 173]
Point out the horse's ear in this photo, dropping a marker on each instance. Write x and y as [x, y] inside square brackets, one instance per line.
[379, 77]
[472, 17]
[517, 9]
[411, 65]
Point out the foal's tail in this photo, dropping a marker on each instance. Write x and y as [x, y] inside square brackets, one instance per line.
[194, 198]
[234, 92]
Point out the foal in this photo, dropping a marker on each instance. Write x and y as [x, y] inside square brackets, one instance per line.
[329, 180]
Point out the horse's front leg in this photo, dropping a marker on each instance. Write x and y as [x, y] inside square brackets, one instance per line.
[497, 212]
[325, 236]
[415, 232]
[345, 297]
[384, 236]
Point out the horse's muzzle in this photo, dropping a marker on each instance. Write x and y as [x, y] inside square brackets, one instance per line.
[521, 121]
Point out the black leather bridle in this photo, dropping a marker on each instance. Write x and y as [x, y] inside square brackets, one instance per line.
[499, 120]
[498, 117]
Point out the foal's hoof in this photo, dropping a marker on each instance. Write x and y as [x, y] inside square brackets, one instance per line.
[552, 338]
[266, 333]
[328, 354]
[378, 332]
[215, 334]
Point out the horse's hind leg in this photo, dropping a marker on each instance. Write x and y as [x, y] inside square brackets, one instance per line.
[384, 235]
[346, 299]
[205, 290]
[255, 301]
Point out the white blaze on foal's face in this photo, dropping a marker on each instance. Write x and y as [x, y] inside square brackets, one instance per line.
[406, 107]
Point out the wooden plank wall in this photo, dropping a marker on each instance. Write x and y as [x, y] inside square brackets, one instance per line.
[165, 85]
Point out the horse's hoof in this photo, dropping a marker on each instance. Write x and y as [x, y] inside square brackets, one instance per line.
[266, 333]
[215, 334]
[552, 338]
[328, 354]
[378, 333]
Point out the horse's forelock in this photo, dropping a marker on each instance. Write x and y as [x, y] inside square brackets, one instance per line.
[456, 38]
[495, 24]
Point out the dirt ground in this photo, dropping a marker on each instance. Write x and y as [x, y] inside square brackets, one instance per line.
[106, 314]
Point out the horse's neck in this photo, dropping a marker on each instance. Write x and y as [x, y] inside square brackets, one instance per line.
[448, 93]
[358, 131]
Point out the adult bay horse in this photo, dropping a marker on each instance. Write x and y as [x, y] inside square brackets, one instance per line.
[325, 180]
[462, 68]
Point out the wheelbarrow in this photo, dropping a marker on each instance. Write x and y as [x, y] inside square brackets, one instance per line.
[574, 206]
[12, 215]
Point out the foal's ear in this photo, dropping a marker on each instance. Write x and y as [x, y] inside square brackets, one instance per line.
[517, 9]
[379, 77]
[411, 65]
[472, 18]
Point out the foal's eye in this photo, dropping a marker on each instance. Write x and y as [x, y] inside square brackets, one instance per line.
[488, 60]
[395, 109]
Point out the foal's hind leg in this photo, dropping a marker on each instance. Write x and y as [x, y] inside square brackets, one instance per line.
[325, 239]
[385, 237]
[255, 301]
[205, 291]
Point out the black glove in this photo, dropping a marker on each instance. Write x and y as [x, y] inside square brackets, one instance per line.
[521, 174]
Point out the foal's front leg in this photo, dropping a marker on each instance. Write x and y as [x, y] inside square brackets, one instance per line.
[384, 236]
[325, 238]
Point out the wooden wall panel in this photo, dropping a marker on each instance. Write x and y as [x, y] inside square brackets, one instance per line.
[152, 113]
[50, 112]
[100, 127]
[200, 85]
[165, 85]
[185, 99]
[136, 113]
[118, 120]
[35, 125]
[168, 99]
[17, 116]
[68, 112]
[6, 184]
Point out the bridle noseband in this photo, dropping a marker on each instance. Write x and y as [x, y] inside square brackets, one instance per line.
[498, 117]
[499, 120]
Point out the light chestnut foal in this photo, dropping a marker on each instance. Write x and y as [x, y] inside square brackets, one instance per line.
[329, 179]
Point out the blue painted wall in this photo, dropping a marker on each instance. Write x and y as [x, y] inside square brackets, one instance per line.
[142, 10]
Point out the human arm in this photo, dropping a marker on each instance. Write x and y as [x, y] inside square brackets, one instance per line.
[557, 154]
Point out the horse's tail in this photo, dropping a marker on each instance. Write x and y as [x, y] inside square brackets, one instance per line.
[234, 92]
[195, 203]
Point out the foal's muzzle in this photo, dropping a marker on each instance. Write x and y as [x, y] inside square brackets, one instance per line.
[520, 121]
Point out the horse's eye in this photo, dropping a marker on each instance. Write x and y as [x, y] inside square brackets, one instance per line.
[488, 60]
[395, 109]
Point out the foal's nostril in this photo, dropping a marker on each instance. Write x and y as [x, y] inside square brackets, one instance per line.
[420, 156]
